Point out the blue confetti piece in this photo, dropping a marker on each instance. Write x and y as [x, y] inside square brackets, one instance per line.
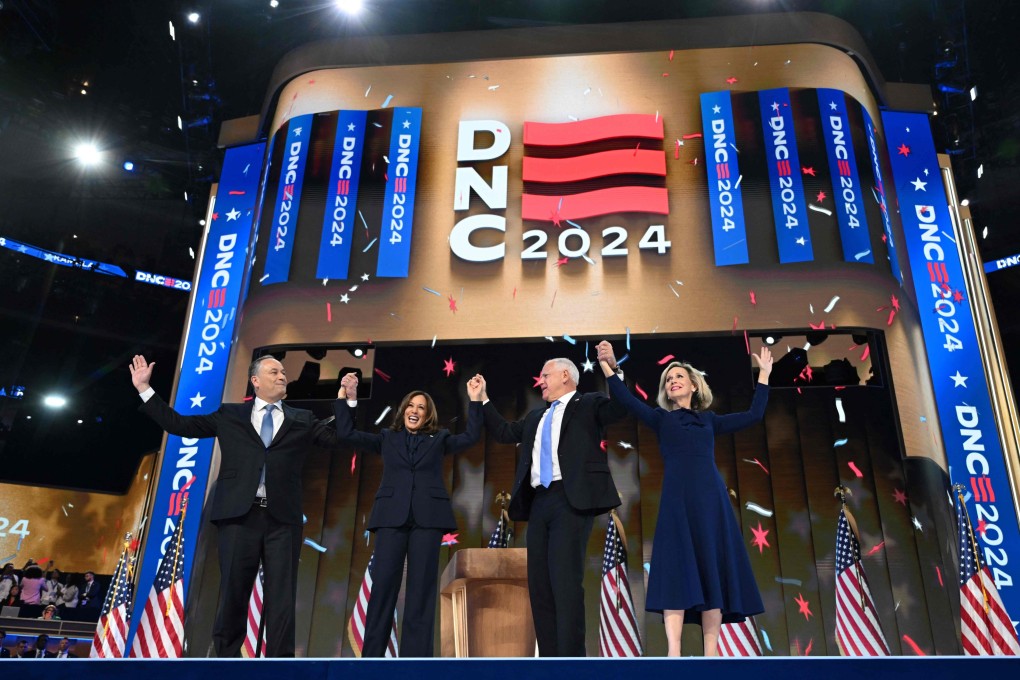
[765, 638]
[434, 292]
[628, 338]
[569, 339]
[9, 558]
[923, 419]
[574, 224]
[386, 103]
[368, 534]
[619, 362]
[840, 442]
[965, 500]
[370, 245]
[304, 518]
[312, 544]
[647, 566]
[789, 581]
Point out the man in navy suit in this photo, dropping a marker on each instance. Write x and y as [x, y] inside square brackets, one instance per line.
[562, 483]
[257, 503]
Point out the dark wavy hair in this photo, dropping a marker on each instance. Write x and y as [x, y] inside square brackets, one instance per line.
[431, 422]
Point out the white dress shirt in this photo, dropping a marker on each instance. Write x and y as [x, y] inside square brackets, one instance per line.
[536, 450]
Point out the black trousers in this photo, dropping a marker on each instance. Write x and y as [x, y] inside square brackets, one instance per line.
[420, 545]
[557, 543]
[243, 542]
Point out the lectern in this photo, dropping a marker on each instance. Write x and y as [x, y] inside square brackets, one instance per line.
[484, 607]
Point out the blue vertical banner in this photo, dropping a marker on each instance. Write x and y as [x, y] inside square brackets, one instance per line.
[184, 471]
[726, 202]
[789, 209]
[398, 204]
[342, 196]
[847, 192]
[283, 228]
[973, 450]
[879, 195]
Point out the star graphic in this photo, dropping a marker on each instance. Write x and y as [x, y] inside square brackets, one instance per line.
[804, 606]
[919, 185]
[716, 109]
[775, 106]
[588, 366]
[350, 127]
[801, 241]
[364, 277]
[731, 80]
[216, 216]
[625, 445]
[900, 497]
[903, 150]
[345, 298]
[537, 379]
[453, 304]
[555, 218]
[821, 196]
[196, 401]
[233, 214]
[957, 296]
[808, 171]
[832, 106]
[959, 380]
[407, 124]
[450, 539]
[981, 527]
[760, 538]
[449, 366]
[298, 131]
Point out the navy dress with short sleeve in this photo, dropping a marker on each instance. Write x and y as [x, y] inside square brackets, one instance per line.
[699, 561]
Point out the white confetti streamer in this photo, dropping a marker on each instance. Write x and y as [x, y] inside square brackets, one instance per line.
[382, 415]
[368, 90]
[840, 442]
[839, 409]
[754, 507]
[832, 303]
[824, 211]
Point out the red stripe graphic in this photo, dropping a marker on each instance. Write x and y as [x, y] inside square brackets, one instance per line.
[942, 270]
[343, 186]
[986, 484]
[844, 168]
[400, 185]
[591, 203]
[593, 130]
[722, 170]
[978, 495]
[619, 162]
[784, 168]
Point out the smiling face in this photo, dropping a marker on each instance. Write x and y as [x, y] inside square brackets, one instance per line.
[555, 381]
[270, 381]
[415, 413]
[679, 387]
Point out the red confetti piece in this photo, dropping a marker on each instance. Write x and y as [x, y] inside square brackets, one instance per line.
[693, 162]
[562, 261]
[900, 497]
[892, 315]
[671, 55]
[537, 379]
[235, 193]
[665, 360]
[216, 216]
[913, 646]
[957, 296]
[810, 644]
[450, 539]
[134, 545]
[938, 572]
[329, 313]
[734, 325]
[903, 150]
[676, 150]
[867, 351]
[731, 80]
[753, 300]
[821, 196]
[693, 135]
[354, 462]
[604, 445]
[760, 539]
[804, 606]
[665, 75]
[759, 464]
[644, 395]
[515, 293]
[747, 343]
[982, 527]
[839, 388]
[453, 304]
[876, 548]
[382, 375]
[819, 327]
[895, 302]
[808, 170]
[854, 468]
[449, 366]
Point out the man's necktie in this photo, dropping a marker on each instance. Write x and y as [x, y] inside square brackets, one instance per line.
[545, 466]
[266, 432]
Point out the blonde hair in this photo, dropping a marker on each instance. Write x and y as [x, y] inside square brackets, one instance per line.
[702, 397]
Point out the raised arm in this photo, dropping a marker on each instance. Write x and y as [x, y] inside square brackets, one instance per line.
[344, 422]
[171, 421]
[502, 431]
[736, 421]
[607, 360]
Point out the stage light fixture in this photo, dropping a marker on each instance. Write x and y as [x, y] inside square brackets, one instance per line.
[965, 202]
[770, 340]
[129, 166]
[349, 6]
[274, 3]
[54, 401]
[80, 421]
[193, 17]
[87, 153]
[359, 352]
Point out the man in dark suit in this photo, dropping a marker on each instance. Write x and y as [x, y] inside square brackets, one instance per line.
[257, 503]
[4, 652]
[91, 593]
[562, 483]
[40, 651]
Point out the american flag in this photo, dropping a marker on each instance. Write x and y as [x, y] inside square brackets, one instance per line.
[110, 639]
[160, 633]
[503, 534]
[739, 639]
[618, 629]
[255, 620]
[858, 632]
[985, 626]
[356, 626]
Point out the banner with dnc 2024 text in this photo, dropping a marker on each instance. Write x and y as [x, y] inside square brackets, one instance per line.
[973, 450]
[214, 306]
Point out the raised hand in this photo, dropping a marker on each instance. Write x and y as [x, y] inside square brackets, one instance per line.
[474, 387]
[348, 387]
[482, 396]
[141, 372]
[764, 361]
[606, 357]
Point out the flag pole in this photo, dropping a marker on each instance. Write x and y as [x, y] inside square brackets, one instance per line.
[843, 491]
[116, 579]
[177, 555]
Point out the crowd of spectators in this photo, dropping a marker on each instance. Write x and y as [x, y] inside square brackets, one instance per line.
[37, 591]
[42, 649]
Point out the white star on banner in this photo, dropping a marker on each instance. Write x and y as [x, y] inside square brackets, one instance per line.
[407, 124]
[801, 241]
[364, 277]
[919, 185]
[832, 105]
[233, 214]
[716, 109]
[350, 127]
[959, 380]
[196, 401]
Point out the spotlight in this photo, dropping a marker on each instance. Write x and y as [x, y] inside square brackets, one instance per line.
[274, 3]
[55, 401]
[349, 6]
[87, 154]
[965, 202]
[193, 17]
[129, 166]
[80, 421]
[359, 352]
[772, 339]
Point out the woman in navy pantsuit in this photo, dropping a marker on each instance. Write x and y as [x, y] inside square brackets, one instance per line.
[411, 512]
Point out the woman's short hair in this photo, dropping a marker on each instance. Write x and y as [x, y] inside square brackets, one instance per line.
[429, 425]
[702, 397]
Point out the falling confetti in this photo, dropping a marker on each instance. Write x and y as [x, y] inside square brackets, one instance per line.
[644, 395]
[758, 463]
[839, 410]
[789, 581]
[315, 546]
[866, 352]
[760, 539]
[876, 548]
[369, 246]
[755, 508]
[382, 375]
[674, 290]
[854, 469]
[386, 103]
[382, 415]
[824, 211]
[434, 292]
[449, 366]
[569, 339]
[434, 340]
[625, 445]
[621, 360]
[754, 301]
[628, 338]
[450, 539]
[665, 360]
[804, 606]
[832, 304]
[839, 442]
[453, 304]
[913, 645]
[354, 462]
[765, 638]
[329, 312]
[938, 572]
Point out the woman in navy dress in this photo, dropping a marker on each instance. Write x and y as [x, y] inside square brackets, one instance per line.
[411, 512]
[699, 568]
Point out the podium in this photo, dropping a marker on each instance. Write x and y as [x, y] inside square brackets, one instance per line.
[484, 608]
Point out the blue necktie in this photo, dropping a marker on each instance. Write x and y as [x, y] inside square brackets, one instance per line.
[545, 472]
[266, 432]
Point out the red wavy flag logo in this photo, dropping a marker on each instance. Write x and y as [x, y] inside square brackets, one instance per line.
[600, 166]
